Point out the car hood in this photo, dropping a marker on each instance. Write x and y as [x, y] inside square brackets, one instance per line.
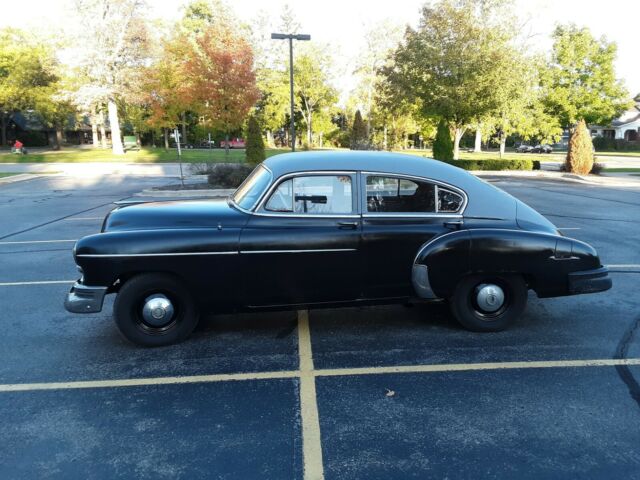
[174, 215]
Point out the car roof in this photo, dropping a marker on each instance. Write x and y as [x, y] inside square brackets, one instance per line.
[484, 199]
[370, 161]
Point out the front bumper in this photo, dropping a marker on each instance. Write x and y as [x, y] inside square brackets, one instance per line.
[84, 299]
[589, 281]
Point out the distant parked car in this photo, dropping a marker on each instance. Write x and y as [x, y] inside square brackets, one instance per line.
[207, 144]
[542, 149]
[233, 143]
[522, 148]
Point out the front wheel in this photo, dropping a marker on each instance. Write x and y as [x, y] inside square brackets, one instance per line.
[489, 303]
[153, 310]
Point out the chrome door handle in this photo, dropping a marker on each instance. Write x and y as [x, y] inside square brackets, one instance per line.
[348, 225]
[454, 224]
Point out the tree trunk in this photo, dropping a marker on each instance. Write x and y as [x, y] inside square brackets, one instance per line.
[94, 132]
[503, 143]
[226, 146]
[52, 138]
[103, 130]
[116, 139]
[138, 141]
[3, 129]
[270, 138]
[478, 146]
[59, 137]
[457, 136]
[309, 134]
[384, 138]
[166, 139]
[184, 127]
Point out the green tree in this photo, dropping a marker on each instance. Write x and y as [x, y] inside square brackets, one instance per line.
[255, 144]
[442, 145]
[580, 154]
[359, 137]
[580, 82]
[451, 64]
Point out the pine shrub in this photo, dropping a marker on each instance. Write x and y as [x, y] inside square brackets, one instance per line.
[359, 140]
[255, 143]
[443, 145]
[580, 154]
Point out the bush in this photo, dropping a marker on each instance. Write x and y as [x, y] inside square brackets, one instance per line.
[536, 164]
[442, 145]
[580, 154]
[225, 175]
[255, 143]
[493, 164]
[602, 144]
[359, 138]
[597, 168]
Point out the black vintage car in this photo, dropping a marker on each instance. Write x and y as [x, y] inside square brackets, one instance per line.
[327, 229]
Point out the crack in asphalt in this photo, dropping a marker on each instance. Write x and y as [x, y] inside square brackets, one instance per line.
[621, 353]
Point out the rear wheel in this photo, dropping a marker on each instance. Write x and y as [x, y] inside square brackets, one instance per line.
[153, 310]
[489, 303]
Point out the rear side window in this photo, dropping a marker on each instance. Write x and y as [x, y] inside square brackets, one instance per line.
[314, 195]
[448, 201]
[400, 195]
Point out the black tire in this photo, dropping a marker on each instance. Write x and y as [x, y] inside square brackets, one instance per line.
[470, 315]
[129, 303]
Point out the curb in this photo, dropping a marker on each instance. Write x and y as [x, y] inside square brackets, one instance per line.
[205, 193]
[19, 178]
[565, 177]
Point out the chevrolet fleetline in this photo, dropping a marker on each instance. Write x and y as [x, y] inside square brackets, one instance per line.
[320, 229]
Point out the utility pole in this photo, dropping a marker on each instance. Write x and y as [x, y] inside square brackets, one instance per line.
[291, 37]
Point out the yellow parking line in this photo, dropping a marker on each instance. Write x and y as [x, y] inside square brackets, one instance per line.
[44, 282]
[24, 242]
[138, 382]
[311, 441]
[463, 367]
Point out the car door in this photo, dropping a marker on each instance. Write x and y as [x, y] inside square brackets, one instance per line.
[400, 214]
[302, 243]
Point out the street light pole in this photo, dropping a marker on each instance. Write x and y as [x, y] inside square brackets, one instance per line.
[291, 37]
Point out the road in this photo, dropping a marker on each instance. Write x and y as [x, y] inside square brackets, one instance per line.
[376, 392]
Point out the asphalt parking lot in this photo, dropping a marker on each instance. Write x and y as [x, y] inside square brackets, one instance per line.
[375, 393]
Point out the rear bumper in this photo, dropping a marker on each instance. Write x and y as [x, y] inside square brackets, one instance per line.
[589, 281]
[84, 299]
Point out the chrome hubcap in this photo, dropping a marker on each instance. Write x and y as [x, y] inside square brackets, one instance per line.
[157, 310]
[489, 297]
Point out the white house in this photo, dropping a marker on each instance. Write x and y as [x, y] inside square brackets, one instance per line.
[626, 127]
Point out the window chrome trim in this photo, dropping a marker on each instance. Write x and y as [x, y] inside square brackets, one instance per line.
[260, 210]
[462, 193]
[318, 250]
[259, 197]
[178, 254]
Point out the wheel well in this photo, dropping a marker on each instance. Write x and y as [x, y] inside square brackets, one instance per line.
[125, 277]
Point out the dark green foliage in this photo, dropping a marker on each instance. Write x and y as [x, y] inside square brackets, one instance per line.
[602, 144]
[493, 164]
[228, 175]
[442, 145]
[255, 143]
[359, 140]
[580, 154]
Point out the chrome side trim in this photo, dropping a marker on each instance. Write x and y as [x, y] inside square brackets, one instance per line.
[411, 215]
[179, 254]
[319, 250]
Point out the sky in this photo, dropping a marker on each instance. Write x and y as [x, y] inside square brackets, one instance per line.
[342, 23]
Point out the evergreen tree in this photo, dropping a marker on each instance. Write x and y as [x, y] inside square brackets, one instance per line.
[580, 154]
[255, 143]
[442, 145]
[359, 140]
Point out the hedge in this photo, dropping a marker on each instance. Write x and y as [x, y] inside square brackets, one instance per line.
[496, 164]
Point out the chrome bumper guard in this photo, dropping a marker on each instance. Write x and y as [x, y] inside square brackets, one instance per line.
[84, 299]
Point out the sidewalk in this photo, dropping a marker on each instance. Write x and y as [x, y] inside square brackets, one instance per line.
[98, 168]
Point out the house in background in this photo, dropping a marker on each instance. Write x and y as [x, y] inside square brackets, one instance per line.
[626, 127]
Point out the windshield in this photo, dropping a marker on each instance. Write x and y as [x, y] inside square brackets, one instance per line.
[249, 192]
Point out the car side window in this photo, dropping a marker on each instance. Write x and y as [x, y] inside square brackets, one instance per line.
[314, 195]
[399, 195]
[448, 201]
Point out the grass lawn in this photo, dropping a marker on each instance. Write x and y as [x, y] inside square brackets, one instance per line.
[145, 155]
[2, 175]
[618, 154]
[622, 170]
